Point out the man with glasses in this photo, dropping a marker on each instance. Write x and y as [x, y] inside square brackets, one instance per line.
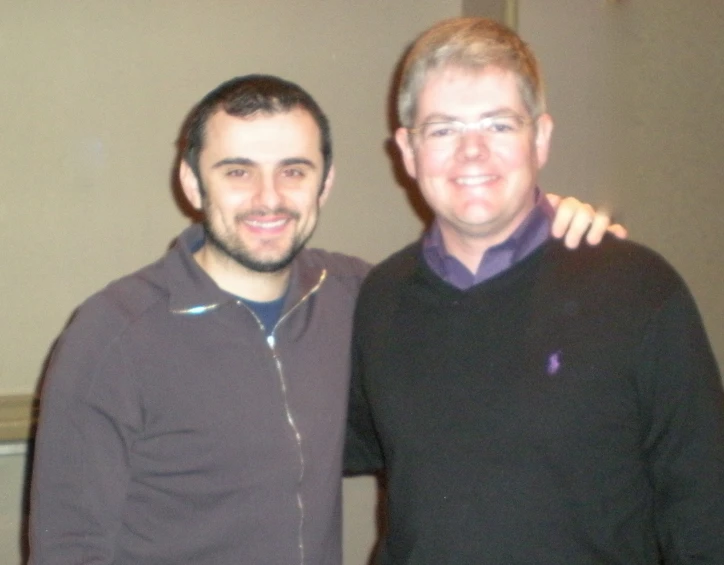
[528, 404]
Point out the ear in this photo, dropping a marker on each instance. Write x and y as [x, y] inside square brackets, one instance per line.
[402, 137]
[190, 184]
[327, 187]
[544, 129]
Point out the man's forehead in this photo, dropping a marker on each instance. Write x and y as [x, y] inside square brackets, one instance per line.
[466, 74]
[262, 136]
[295, 113]
[295, 124]
[456, 85]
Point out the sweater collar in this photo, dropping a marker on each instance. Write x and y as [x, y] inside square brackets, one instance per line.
[531, 234]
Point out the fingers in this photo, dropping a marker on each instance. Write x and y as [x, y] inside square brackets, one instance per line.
[585, 220]
[565, 211]
[553, 199]
[599, 225]
[618, 230]
[574, 220]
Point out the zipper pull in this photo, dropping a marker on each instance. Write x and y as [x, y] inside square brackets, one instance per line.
[270, 341]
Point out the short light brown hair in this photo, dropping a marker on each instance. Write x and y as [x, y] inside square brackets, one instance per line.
[468, 43]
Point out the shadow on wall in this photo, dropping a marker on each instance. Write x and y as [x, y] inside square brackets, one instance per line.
[403, 180]
[23, 540]
[27, 474]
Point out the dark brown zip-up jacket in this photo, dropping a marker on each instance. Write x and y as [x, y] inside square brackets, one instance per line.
[172, 430]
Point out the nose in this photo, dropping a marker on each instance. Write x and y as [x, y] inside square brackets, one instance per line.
[267, 194]
[473, 144]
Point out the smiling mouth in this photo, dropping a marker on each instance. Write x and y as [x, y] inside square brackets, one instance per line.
[475, 180]
[266, 224]
[270, 220]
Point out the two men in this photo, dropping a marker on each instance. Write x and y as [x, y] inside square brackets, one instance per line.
[194, 411]
[528, 404]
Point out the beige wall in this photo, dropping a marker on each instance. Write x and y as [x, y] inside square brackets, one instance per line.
[12, 472]
[503, 10]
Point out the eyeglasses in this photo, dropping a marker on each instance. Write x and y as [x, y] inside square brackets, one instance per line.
[448, 133]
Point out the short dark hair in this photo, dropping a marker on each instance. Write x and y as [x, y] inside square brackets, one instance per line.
[245, 96]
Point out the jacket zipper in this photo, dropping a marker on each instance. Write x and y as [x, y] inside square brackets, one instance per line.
[271, 342]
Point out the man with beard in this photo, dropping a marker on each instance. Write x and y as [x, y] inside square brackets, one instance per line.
[193, 412]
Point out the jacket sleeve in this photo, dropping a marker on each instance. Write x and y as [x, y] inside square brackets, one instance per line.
[683, 404]
[88, 417]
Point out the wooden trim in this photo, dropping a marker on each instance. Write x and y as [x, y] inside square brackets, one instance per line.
[511, 14]
[17, 417]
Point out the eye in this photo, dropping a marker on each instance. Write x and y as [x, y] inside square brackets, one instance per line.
[294, 172]
[237, 173]
[503, 124]
[439, 130]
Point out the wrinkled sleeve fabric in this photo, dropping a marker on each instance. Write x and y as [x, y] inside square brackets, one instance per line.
[89, 415]
[683, 405]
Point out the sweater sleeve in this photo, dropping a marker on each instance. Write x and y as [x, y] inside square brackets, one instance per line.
[88, 417]
[683, 404]
[362, 453]
[379, 294]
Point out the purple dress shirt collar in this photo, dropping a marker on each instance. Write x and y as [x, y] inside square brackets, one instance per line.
[531, 234]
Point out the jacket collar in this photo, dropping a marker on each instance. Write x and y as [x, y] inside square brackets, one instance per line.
[193, 291]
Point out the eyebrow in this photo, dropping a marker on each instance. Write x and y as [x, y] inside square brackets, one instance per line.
[449, 118]
[246, 162]
[243, 161]
[297, 161]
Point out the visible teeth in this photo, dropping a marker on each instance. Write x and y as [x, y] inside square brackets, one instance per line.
[471, 181]
[263, 224]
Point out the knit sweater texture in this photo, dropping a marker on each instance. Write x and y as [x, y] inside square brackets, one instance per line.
[568, 411]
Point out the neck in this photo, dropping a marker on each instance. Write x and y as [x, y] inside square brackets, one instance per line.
[466, 250]
[241, 281]
[470, 248]
[470, 245]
